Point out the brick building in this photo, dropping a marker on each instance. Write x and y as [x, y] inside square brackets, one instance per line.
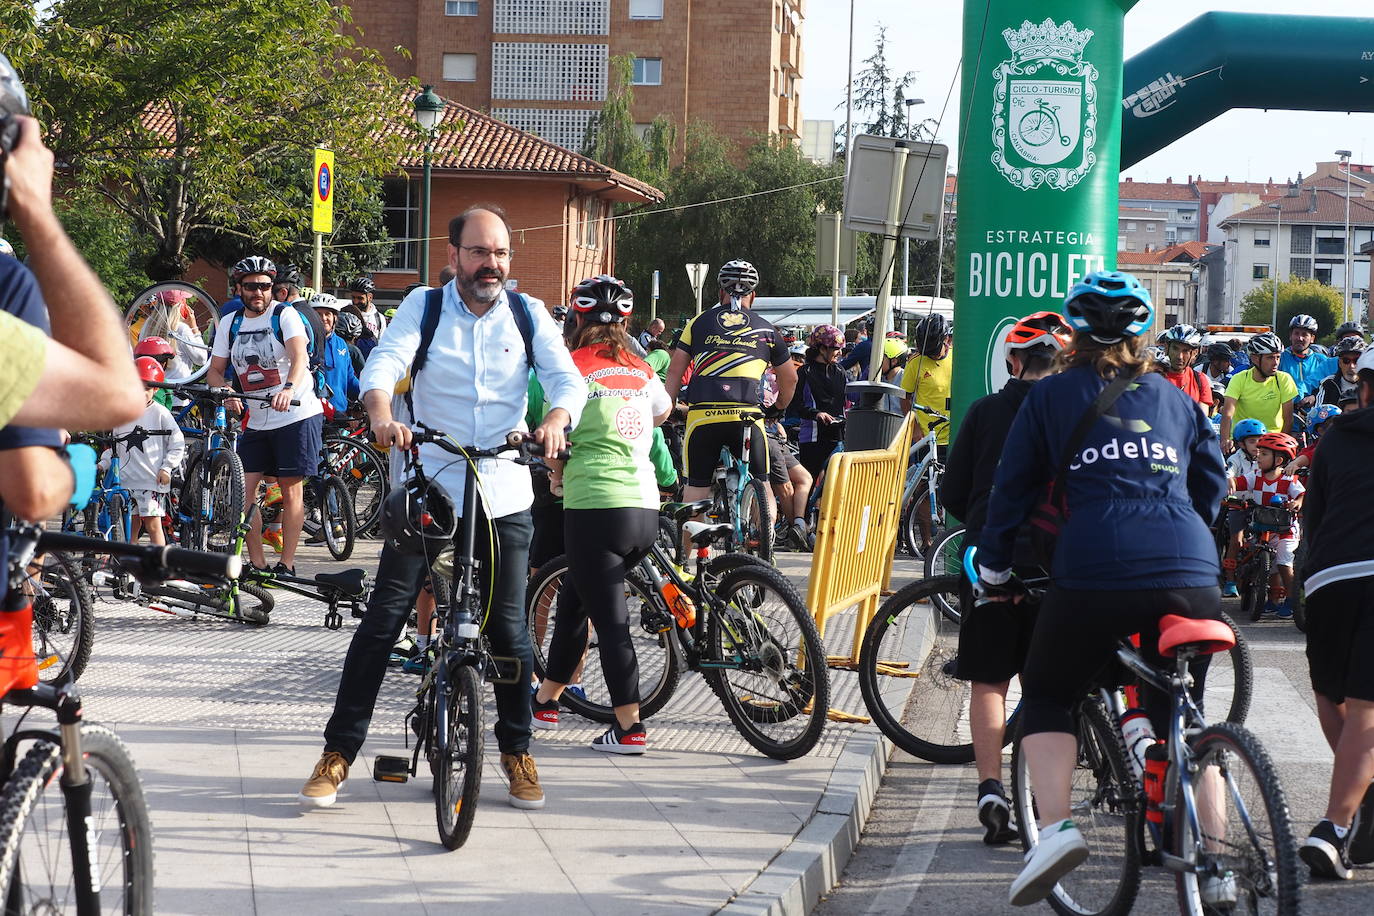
[541, 65]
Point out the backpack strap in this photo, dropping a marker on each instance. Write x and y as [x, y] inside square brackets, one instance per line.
[520, 305]
[1100, 405]
[429, 324]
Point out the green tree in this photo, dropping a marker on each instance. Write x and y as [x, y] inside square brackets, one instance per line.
[611, 138]
[879, 96]
[1296, 297]
[190, 116]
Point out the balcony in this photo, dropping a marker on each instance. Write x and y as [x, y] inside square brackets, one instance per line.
[789, 51]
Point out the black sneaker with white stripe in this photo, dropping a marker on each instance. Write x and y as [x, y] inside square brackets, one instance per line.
[1325, 852]
[994, 813]
[622, 741]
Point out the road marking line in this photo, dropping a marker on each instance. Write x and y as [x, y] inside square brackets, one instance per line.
[924, 839]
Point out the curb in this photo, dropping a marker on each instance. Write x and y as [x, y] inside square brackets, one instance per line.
[812, 862]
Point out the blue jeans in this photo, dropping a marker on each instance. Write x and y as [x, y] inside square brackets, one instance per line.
[399, 578]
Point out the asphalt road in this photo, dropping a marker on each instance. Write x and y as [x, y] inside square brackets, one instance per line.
[922, 850]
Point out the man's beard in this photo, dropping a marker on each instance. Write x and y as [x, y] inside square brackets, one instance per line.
[477, 286]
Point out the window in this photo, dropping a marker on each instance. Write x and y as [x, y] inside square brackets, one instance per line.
[460, 68]
[1185, 217]
[551, 17]
[544, 72]
[1174, 292]
[1300, 267]
[565, 127]
[1171, 236]
[401, 217]
[591, 222]
[1150, 227]
[1330, 241]
[642, 129]
[1130, 225]
[1323, 275]
[1261, 238]
[460, 7]
[1130, 245]
[648, 71]
[1148, 284]
[646, 9]
[1300, 240]
[1260, 272]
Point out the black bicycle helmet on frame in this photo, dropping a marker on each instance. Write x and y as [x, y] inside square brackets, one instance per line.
[362, 285]
[930, 333]
[254, 264]
[418, 518]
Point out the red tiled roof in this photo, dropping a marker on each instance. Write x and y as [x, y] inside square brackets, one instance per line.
[1141, 213]
[1337, 181]
[1136, 257]
[1156, 190]
[1172, 254]
[1330, 209]
[466, 140]
[1239, 187]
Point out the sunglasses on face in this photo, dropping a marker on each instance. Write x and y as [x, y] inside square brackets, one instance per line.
[256, 287]
[1350, 360]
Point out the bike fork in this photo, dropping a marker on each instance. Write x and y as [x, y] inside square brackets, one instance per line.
[81, 831]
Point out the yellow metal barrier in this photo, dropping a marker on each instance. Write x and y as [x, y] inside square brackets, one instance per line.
[857, 534]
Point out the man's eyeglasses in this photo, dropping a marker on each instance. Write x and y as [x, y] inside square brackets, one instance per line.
[256, 287]
[479, 253]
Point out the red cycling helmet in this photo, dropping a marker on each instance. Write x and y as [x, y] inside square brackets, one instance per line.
[156, 347]
[1282, 443]
[149, 370]
[1042, 329]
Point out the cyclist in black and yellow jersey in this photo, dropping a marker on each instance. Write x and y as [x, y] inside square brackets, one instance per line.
[729, 348]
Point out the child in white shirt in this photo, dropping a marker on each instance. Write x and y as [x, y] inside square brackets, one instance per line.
[151, 450]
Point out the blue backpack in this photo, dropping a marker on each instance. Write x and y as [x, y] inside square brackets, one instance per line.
[429, 323]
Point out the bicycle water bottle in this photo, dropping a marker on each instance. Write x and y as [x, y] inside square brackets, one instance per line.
[1156, 769]
[1139, 735]
[684, 612]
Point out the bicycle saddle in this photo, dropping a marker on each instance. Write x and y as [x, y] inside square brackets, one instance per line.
[351, 583]
[1209, 636]
[703, 533]
[683, 511]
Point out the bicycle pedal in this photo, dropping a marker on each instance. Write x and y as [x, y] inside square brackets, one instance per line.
[333, 620]
[502, 669]
[390, 769]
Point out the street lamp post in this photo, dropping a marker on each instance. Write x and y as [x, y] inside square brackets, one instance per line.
[1277, 207]
[906, 242]
[1345, 302]
[429, 109]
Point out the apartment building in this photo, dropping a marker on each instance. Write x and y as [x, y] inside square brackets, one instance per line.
[542, 65]
[1139, 229]
[1177, 201]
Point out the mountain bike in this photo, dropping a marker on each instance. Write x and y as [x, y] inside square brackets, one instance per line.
[74, 830]
[909, 677]
[1211, 810]
[921, 490]
[945, 558]
[328, 508]
[363, 469]
[447, 717]
[213, 496]
[63, 615]
[737, 620]
[742, 501]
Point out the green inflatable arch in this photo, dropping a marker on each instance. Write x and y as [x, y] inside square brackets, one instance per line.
[1048, 121]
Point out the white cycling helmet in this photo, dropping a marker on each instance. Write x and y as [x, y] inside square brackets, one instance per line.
[6, 248]
[325, 301]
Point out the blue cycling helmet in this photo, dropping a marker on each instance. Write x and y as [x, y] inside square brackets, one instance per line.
[1319, 415]
[1109, 305]
[1247, 428]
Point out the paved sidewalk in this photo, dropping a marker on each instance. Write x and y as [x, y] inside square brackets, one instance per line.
[224, 724]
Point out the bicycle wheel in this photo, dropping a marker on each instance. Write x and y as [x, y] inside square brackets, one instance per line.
[458, 771]
[658, 664]
[337, 523]
[1230, 680]
[36, 869]
[912, 518]
[907, 674]
[1105, 801]
[945, 558]
[1254, 590]
[251, 605]
[764, 658]
[63, 617]
[116, 508]
[1246, 828]
[227, 501]
[363, 470]
[756, 519]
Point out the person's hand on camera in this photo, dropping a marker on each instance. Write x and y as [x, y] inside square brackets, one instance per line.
[29, 167]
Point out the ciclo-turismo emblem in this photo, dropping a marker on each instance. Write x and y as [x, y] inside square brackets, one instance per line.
[1044, 121]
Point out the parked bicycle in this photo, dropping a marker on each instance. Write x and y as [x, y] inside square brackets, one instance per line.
[736, 620]
[78, 776]
[363, 469]
[447, 717]
[922, 513]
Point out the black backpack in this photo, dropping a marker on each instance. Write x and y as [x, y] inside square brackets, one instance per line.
[429, 323]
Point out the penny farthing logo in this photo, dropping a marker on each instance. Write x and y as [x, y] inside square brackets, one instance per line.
[324, 181]
[1044, 114]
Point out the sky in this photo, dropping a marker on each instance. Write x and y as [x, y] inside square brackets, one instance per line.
[924, 36]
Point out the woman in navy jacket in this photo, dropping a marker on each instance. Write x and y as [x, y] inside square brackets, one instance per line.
[1141, 492]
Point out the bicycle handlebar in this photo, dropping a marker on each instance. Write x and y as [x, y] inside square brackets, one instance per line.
[153, 562]
[207, 393]
[516, 440]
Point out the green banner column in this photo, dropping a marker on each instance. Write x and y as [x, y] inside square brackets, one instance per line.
[1041, 103]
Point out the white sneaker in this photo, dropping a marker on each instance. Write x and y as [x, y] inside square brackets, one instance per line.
[1218, 890]
[1061, 849]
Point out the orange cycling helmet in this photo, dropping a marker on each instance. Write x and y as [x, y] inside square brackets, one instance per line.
[1282, 443]
[1042, 329]
[149, 370]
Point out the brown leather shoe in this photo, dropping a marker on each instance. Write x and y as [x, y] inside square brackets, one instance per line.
[524, 781]
[322, 788]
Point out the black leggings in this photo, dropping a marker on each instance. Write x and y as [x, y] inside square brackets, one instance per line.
[1074, 647]
[815, 455]
[602, 545]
